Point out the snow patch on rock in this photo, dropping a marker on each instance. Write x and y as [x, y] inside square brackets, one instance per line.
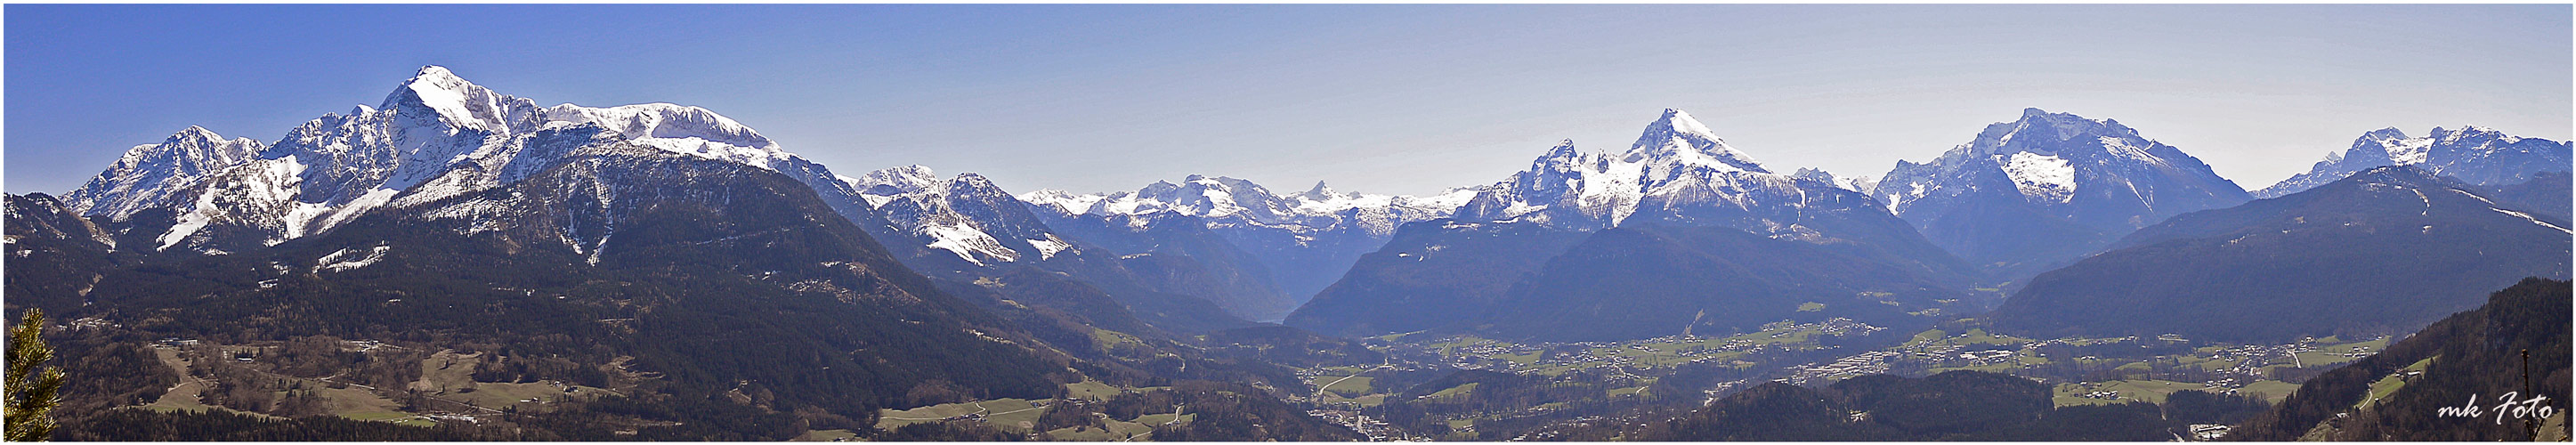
[1049, 246]
[2042, 177]
[345, 260]
[967, 242]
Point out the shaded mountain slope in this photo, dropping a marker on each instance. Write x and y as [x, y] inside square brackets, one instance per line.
[2382, 252]
[1432, 274]
[1648, 281]
[2546, 193]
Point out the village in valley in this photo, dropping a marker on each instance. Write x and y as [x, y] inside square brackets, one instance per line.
[2081, 370]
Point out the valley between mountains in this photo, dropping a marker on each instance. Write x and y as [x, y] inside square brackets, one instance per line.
[455, 263]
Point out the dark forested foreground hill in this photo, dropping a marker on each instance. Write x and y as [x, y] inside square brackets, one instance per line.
[2473, 358]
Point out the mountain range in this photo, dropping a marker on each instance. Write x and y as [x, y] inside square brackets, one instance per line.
[435, 136]
[1304, 240]
[2472, 154]
[686, 256]
[967, 231]
[721, 287]
[671, 293]
[1209, 253]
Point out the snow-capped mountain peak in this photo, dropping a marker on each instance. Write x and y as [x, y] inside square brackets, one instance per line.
[973, 185]
[966, 215]
[681, 129]
[1202, 196]
[2383, 135]
[1858, 184]
[2049, 158]
[2389, 146]
[462, 104]
[152, 175]
[194, 134]
[2037, 129]
[2474, 154]
[1319, 192]
[1563, 157]
[194, 143]
[1676, 164]
[2059, 182]
[1676, 138]
[1063, 202]
[898, 180]
[2052, 158]
[2471, 132]
[1306, 239]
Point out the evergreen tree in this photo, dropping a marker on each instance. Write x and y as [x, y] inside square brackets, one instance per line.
[32, 391]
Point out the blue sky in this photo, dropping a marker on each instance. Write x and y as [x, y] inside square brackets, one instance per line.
[1387, 99]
